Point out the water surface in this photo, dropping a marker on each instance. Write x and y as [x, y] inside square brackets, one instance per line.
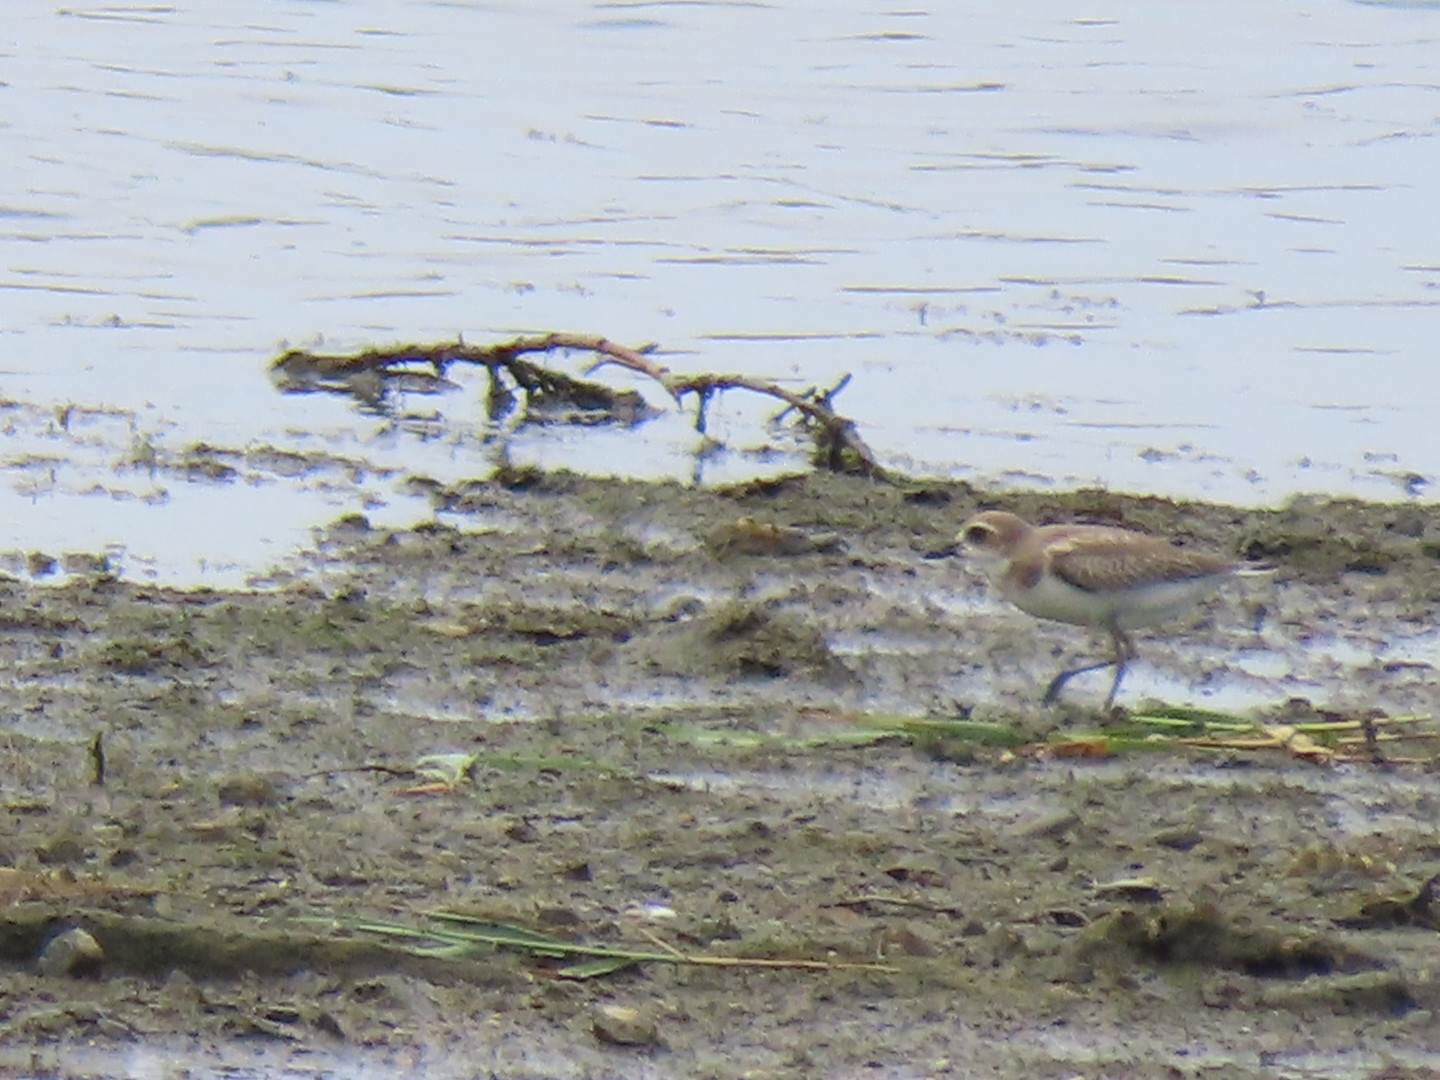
[1156, 247]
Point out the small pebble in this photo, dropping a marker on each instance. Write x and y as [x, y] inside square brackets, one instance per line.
[74, 953]
[620, 1025]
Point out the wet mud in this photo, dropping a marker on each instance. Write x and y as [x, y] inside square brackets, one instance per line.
[669, 719]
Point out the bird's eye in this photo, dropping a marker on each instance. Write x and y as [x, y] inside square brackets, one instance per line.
[977, 534]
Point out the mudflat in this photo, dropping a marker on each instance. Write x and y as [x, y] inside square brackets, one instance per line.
[713, 723]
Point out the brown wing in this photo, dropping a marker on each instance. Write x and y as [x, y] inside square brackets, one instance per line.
[1096, 558]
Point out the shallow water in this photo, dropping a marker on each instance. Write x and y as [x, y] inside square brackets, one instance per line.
[1165, 248]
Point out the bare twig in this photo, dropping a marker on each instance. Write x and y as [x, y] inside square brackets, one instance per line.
[837, 435]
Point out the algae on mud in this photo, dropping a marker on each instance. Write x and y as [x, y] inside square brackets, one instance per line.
[262, 749]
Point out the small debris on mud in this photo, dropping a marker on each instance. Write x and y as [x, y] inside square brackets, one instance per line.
[622, 1025]
[73, 952]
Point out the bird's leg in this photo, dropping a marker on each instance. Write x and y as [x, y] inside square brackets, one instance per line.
[1052, 692]
[1124, 653]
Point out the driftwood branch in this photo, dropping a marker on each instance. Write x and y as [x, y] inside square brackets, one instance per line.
[838, 444]
[368, 375]
[840, 447]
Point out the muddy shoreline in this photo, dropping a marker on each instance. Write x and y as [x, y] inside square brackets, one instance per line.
[653, 687]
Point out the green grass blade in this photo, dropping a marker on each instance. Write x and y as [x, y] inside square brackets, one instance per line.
[499, 933]
[976, 731]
